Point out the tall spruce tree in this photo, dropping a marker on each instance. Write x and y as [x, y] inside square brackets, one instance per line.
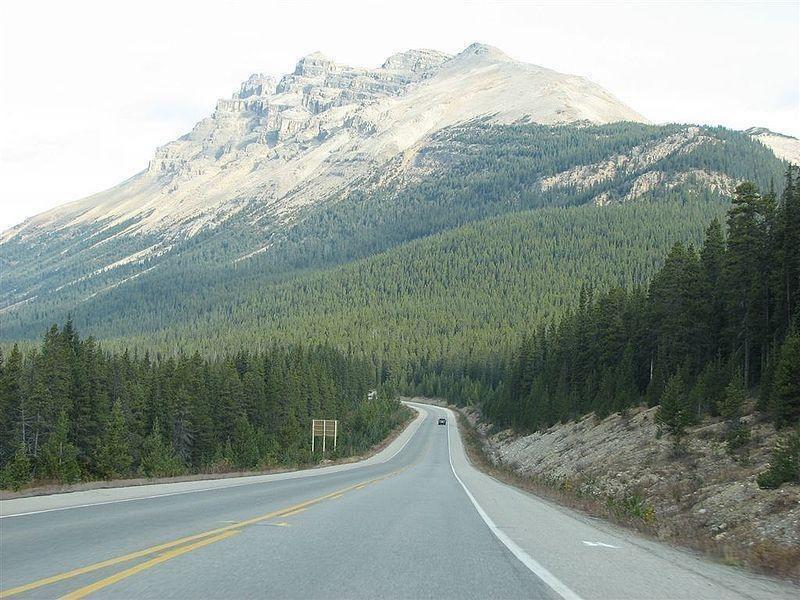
[114, 455]
[58, 458]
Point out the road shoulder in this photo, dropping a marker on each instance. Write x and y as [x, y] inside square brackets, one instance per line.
[110, 495]
[592, 557]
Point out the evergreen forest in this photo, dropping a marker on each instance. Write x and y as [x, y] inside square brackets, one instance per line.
[72, 411]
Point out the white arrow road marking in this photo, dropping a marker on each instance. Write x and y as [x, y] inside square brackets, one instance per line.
[601, 544]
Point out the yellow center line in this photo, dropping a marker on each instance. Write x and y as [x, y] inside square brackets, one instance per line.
[299, 510]
[185, 540]
[99, 585]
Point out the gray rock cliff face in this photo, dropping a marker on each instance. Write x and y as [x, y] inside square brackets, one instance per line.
[287, 144]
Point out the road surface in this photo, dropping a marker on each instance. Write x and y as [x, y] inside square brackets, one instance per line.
[415, 521]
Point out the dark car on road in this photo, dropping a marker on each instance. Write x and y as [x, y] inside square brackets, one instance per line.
[442, 421]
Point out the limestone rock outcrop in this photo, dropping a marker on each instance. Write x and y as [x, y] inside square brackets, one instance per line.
[279, 146]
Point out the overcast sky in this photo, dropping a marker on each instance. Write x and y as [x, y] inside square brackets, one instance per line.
[89, 89]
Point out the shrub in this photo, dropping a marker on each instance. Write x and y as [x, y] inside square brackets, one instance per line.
[18, 471]
[159, 458]
[737, 435]
[785, 464]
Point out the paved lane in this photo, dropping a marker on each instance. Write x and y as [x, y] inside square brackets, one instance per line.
[399, 528]
[414, 521]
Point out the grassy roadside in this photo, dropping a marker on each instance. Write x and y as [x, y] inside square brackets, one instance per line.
[631, 512]
[45, 489]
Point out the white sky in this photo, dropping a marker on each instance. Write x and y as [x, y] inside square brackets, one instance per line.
[89, 89]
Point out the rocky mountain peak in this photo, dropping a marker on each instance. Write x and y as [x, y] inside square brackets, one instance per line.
[258, 84]
[313, 65]
[281, 147]
[756, 131]
[416, 61]
[784, 146]
[484, 51]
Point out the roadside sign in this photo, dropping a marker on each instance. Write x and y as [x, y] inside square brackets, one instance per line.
[324, 428]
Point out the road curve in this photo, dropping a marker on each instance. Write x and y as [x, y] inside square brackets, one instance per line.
[414, 521]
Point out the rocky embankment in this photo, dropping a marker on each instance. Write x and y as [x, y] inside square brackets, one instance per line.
[620, 468]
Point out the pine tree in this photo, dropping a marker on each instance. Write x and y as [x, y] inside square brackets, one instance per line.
[244, 444]
[747, 238]
[12, 404]
[158, 458]
[92, 404]
[731, 404]
[674, 413]
[58, 458]
[784, 466]
[785, 400]
[712, 259]
[786, 249]
[114, 456]
[737, 434]
[17, 472]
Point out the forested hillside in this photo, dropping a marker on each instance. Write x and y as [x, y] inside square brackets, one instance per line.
[715, 322]
[421, 278]
[72, 411]
[451, 297]
[464, 174]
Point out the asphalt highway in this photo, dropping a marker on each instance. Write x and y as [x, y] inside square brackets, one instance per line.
[415, 521]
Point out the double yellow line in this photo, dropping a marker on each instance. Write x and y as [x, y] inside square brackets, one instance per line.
[99, 585]
[175, 547]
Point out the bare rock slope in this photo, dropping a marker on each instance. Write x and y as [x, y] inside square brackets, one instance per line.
[784, 146]
[289, 143]
[706, 497]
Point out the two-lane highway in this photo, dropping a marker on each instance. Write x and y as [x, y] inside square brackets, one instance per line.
[399, 528]
[415, 521]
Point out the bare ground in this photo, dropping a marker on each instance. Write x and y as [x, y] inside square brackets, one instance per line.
[619, 469]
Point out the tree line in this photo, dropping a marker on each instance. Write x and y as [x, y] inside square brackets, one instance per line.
[714, 324]
[71, 411]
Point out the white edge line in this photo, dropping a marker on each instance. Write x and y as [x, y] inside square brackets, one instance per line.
[303, 472]
[526, 559]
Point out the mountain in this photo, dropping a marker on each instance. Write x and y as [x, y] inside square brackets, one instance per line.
[333, 170]
[289, 144]
[784, 146]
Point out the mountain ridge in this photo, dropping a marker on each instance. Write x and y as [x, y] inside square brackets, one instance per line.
[331, 164]
[464, 174]
[328, 123]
